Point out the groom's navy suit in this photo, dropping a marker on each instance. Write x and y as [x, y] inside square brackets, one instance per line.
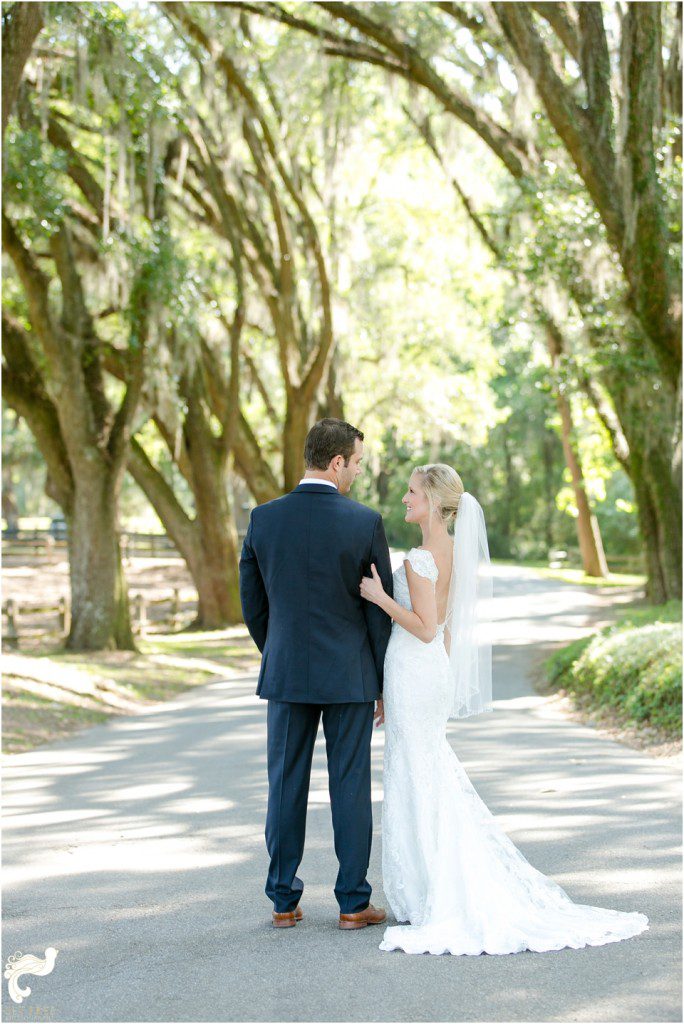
[323, 648]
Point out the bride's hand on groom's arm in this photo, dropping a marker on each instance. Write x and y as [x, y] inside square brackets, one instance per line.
[379, 713]
[371, 587]
[421, 619]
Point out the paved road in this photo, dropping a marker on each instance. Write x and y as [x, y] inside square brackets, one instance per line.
[136, 849]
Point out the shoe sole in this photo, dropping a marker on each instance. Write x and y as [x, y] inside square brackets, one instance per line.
[355, 925]
[288, 924]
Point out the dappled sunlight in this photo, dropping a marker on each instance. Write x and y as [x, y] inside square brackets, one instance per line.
[140, 723]
[155, 823]
[146, 791]
[135, 856]
[43, 819]
[199, 805]
[518, 703]
[198, 664]
[458, 226]
[242, 700]
[209, 637]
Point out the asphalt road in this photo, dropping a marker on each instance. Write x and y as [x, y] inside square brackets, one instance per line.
[136, 849]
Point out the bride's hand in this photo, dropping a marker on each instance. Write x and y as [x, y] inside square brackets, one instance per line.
[371, 587]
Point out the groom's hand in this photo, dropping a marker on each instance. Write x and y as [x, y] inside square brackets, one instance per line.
[379, 715]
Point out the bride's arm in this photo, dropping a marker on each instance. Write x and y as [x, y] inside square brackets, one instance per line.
[422, 621]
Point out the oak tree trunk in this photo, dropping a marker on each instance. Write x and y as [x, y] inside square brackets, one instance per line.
[100, 618]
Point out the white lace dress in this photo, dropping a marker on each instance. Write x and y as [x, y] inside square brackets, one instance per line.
[448, 868]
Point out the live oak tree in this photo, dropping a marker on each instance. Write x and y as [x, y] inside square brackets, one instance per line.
[277, 231]
[200, 417]
[191, 157]
[588, 531]
[57, 218]
[620, 131]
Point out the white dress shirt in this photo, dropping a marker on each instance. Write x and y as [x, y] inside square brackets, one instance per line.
[312, 480]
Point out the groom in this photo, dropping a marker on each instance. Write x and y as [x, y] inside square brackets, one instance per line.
[323, 649]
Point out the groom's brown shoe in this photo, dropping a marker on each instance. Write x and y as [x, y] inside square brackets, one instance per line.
[288, 919]
[371, 915]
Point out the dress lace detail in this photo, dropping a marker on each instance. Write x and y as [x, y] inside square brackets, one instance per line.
[449, 870]
[422, 562]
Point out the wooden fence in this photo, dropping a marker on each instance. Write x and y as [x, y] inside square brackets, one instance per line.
[168, 611]
[44, 542]
[571, 558]
[51, 545]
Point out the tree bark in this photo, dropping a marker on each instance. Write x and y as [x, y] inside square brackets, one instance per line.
[21, 23]
[81, 435]
[208, 541]
[216, 538]
[588, 532]
[297, 425]
[648, 436]
[100, 613]
[620, 177]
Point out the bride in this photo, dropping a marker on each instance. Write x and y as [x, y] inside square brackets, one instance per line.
[449, 870]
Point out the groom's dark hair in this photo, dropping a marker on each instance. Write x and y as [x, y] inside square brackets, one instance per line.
[328, 438]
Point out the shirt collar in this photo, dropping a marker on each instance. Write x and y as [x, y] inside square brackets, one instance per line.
[313, 480]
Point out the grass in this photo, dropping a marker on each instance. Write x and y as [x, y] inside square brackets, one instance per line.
[49, 694]
[631, 669]
[567, 575]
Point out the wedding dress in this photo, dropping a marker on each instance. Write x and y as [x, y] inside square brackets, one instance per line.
[448, 868]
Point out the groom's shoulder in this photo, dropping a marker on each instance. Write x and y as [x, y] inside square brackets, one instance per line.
[270, 506]
[346, 506]
[361, 510]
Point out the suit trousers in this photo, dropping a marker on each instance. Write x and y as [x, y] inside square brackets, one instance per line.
[292, 729]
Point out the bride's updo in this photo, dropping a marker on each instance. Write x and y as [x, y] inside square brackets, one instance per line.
[443, 489]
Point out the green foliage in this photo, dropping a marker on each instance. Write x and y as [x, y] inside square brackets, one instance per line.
[34, 182]
[633, 667]
[438, 357]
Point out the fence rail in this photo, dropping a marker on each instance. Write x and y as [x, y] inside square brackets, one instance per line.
[144, 614]
[19, 617]
[130, 543]
[571, 558]
[49, 542]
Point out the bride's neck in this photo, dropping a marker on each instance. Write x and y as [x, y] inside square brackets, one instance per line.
[433, 532]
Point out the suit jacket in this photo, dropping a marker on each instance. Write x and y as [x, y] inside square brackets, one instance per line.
[302, 562]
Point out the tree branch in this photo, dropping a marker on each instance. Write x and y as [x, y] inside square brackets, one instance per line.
[24, 391]
[21, 23]
[594, 158]
[510, 149]
[563, 22]
[595, 64]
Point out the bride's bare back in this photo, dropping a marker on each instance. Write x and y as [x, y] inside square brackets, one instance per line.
[443, 557]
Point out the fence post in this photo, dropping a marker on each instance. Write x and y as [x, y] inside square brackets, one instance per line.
[140, 617]
[11, 636]
[65, 615]
[50, 547]
[175, 608]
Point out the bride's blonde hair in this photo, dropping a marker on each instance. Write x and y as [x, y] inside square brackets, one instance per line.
[443, 488]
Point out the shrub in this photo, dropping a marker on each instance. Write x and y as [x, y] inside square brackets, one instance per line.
[633, 667]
